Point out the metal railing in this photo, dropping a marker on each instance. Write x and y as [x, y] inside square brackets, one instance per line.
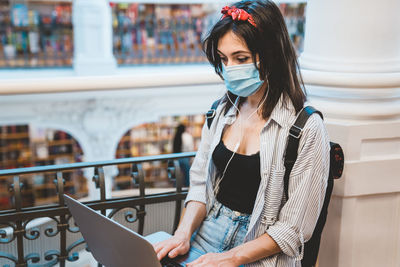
[18, 218]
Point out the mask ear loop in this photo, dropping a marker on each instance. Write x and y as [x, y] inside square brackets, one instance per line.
[216, 188]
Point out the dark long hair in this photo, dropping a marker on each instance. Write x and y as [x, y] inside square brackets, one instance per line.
[177, 143]
[271, 43]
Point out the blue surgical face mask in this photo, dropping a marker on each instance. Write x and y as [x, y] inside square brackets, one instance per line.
[241, 80]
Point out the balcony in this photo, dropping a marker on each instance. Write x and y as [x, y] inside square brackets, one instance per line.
[46, 235]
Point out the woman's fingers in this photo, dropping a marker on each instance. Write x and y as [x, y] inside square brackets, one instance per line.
[173, 247]
[175, 252]
[164, 250]
[179, 250]
[157, 246]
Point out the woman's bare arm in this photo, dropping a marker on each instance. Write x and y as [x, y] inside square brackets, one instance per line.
[261, 247]
[193, 216]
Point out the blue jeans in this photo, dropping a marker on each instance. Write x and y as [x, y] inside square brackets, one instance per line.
[222, 230]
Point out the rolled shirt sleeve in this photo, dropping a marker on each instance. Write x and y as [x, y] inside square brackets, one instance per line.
[307, 186]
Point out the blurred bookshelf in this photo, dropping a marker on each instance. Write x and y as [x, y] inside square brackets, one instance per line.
[161, 33]
[158, 33]
[39, 33]
[25, 146]
[35, 33]
[153, 138]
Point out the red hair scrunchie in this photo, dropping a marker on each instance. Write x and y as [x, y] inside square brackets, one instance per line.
[237, 14]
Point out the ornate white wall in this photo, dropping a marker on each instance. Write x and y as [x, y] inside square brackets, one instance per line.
[97, 119]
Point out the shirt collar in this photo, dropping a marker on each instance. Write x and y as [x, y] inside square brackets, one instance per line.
[231, 112]
[283, 113]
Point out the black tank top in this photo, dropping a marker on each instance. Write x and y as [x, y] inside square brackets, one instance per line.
[238, 188]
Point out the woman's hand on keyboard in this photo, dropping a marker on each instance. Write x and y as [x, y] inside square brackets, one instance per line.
[178, 244]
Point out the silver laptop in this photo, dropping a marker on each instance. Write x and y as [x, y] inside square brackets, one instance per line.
[115, 245]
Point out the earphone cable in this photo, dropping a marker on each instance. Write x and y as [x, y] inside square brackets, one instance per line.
[216, 188]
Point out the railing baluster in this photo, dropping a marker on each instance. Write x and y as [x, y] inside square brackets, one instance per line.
[19, 230]
[138, 178]
[98, 178]
[175, 173]
[63, 225]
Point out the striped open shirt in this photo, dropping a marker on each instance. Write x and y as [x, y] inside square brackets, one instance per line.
[290, 223]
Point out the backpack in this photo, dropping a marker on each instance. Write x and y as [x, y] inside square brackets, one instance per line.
[311, 247]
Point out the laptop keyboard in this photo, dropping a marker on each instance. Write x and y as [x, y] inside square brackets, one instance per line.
[167, 262]
[172, 265]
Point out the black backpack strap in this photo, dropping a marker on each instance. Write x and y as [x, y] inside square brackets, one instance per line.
[211, 113]
[293, 143]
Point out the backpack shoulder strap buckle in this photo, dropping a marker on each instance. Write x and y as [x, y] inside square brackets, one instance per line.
[210, 114]
[295, 131]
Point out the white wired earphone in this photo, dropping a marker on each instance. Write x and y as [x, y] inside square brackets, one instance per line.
[216, 188]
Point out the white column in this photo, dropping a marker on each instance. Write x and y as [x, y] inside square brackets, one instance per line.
[351, 67]
[352, 57]
[92, 23]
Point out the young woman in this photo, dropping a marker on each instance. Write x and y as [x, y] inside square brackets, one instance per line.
[236, 211]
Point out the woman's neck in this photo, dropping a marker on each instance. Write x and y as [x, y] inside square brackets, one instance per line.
[255, 99]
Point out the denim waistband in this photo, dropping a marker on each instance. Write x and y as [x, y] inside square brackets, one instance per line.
[219, 208]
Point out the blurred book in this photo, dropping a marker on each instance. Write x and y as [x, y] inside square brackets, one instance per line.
[19, 15]
[37, 134]
[41, 151]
